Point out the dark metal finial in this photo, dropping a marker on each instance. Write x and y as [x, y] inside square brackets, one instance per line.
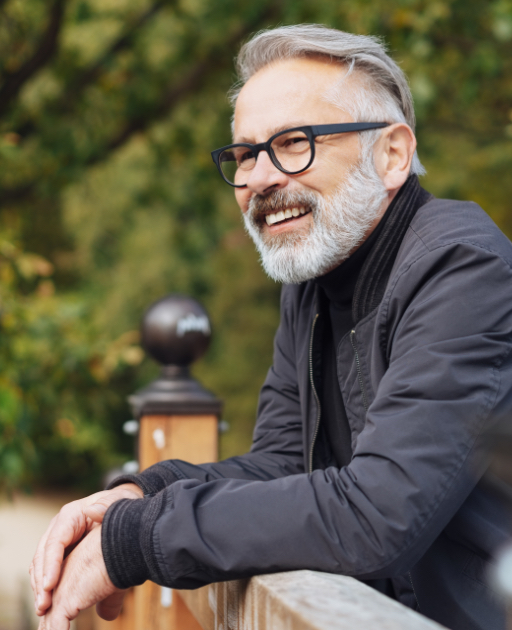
[175, 331]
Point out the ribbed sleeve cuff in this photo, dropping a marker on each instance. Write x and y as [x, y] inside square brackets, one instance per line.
[153, 479]
[127, 540]
[120, 543]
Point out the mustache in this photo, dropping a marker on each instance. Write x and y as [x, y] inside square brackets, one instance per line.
[260, 206]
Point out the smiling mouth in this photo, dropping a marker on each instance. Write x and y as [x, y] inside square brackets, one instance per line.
[286, 215]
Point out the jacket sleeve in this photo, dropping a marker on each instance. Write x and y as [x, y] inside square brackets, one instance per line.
[277, 448]
[449, 374]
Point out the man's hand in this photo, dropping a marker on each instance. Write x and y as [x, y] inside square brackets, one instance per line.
[84, 582]
[66, 529]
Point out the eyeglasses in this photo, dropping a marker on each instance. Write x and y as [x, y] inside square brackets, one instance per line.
[291, 151]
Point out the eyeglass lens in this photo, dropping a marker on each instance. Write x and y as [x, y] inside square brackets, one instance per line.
[291, 149]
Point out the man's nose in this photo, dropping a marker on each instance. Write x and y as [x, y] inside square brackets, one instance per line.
[266, 177]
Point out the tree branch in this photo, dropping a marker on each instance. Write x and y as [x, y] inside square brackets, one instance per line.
[89, 75]
[47, 48]
[12, 195]
[66, 101]
[186, 86]
[217, 57]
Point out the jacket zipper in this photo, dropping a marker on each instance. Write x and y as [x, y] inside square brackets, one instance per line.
[317, 425]
[415, 596]
[358, 368]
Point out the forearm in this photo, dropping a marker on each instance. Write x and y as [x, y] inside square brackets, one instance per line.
[254, 466]
[191, 534]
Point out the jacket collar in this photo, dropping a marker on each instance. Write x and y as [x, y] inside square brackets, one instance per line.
[379, 262]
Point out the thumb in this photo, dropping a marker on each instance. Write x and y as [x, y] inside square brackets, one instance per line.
[110, 607]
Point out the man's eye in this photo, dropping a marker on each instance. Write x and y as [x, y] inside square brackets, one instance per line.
[248, 155]
[294, 143]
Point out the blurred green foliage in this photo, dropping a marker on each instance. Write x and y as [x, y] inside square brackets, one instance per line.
[109, 199]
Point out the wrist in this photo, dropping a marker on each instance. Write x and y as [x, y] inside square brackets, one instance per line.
[131, 489]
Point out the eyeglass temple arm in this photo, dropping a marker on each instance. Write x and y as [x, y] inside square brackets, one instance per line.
[345, 127]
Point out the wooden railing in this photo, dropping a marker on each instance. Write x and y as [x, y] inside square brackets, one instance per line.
[299, 600]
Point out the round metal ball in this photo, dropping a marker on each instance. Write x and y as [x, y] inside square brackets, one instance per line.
[176, 330]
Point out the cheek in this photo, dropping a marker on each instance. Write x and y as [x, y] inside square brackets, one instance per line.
[242, 196]
[338, 161]
[323, 180]
[338, 166]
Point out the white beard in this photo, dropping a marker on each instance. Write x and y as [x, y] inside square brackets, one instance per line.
[340, 224]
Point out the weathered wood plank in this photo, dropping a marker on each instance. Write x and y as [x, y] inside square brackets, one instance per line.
[299, 600]
[191, 438]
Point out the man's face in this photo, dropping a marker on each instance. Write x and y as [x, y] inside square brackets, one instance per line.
[289, 94]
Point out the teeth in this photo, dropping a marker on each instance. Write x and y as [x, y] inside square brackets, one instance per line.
[282, 215]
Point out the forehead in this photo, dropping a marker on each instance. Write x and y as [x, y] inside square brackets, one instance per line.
[285, 94]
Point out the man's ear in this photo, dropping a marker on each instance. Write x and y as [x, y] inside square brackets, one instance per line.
[393, 153]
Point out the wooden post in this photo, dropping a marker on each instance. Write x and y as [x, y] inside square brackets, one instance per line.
[178, 420]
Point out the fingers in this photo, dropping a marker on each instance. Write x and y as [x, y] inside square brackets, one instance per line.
[84, 582]
[42, 601]
[110, 607]
[65, 530]
[69, 527]
[42, 598]
[96, 511]
[56, 622]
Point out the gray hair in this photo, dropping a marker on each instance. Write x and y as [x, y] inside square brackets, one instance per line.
[382, 94]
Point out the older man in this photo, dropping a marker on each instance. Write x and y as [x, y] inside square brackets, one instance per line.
[392, 357]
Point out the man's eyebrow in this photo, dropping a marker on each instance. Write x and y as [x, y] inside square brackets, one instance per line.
[273, 131]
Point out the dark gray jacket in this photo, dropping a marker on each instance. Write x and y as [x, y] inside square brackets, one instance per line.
[426, 370]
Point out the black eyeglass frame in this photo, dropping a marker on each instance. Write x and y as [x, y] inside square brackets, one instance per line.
[311, 132]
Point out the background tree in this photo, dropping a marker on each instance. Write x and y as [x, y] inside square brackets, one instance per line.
[109, 198]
